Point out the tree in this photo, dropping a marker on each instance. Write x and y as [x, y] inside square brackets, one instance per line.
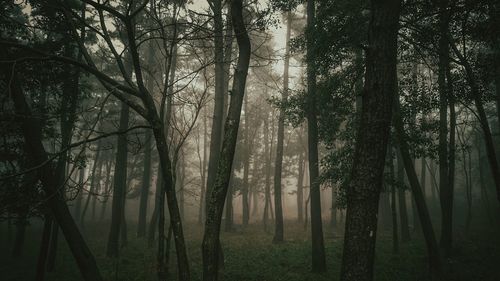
[371, 141]
[445, 188]
[29, 125]
[278, 164]
[318, 248]
[119, 186]
[217, 194]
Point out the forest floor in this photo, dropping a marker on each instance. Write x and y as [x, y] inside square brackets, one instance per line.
[250, 256]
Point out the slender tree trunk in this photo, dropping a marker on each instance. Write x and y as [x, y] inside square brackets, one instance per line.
[146, 181]
[384, 217]
[218, 118]
[119, 187]
[403, 211]
[435, 264]
[267, 186]
[182, 178]
[69, 102]
[434, 185]
[54, 240]
[371, 142]
[123, 228]
[333, 211]
[153, 223]
[98, 190]
[203, 173]
[423, 176]
[484, 194]
[318, 248]
[217, 193]
[414, 212]
[468, 188]
[91, 193]
[394, 212]
[300, 189]
[107, 188]
[254, 191]
[446, 192]
[278, 164]
[246, 165]
[20, 237]
[168, 189]
[79, 196]
[44, 249]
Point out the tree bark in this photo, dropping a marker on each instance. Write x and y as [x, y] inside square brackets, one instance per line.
[218, 118]
[371, 142]
[217, 194]
[229, 206]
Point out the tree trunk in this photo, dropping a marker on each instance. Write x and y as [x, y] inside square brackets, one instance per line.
[91, 193]
[54, 240]
[278, 164]
[80, 187]
[300, 189]
[44, 249]
[217, 193]
[384, 211]
[203, 173]
[119, 187]
[153, 223]
[371, 142]
[21, 223]
[218, 118]
[246, 166]
[107, 187]
[484, 193]
[98, 191]
[403, 211]
[267, 186]
[146, 181]
[423, 213]
[446, 192]
[394, 212]
[318, 248]
[423, 176]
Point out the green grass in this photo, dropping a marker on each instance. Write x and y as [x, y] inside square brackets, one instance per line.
[250, 256]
